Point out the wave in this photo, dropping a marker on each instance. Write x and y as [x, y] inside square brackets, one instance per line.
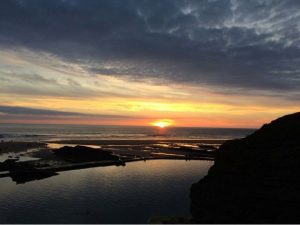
[158, 135]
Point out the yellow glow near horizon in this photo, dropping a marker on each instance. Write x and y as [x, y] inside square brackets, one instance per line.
[41, 81]
[162, 123]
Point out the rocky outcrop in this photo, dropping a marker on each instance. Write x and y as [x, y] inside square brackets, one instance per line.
[84, 154]
[255, 179]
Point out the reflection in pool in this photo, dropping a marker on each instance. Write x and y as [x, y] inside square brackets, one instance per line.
[130, 194]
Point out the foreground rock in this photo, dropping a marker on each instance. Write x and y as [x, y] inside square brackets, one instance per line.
[84, 154]
[255, 179]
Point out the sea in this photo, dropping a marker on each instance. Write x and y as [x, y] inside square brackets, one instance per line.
[36, 132]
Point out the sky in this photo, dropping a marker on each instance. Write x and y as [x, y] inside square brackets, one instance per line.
[213, 63]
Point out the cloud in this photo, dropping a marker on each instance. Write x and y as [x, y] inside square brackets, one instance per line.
[32, 111]
[26, 112]
[233, 44]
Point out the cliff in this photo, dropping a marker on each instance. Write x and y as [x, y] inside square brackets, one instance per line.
[255, 179]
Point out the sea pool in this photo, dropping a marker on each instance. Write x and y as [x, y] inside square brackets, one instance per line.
[130, 194]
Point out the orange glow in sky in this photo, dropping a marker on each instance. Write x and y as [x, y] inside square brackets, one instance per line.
[110, 100]
[161, 74]
[162, 123]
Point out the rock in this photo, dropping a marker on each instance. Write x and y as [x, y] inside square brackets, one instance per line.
[255, 179]
[84, 154]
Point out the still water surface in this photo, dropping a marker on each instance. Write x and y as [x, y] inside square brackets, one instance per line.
[130, 194]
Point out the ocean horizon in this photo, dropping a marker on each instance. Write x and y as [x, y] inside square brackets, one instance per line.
[55, 132]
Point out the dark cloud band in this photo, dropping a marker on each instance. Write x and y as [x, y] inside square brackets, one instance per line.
[252, 45]
[24, 112]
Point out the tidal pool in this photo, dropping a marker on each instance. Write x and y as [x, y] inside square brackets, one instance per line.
[130, 194]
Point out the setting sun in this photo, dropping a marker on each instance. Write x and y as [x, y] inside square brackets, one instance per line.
[162, 123]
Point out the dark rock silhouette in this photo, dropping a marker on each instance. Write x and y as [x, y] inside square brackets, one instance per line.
[8, 164]
[84, 154]
[22, 172]
[27, 175]
[255, 179]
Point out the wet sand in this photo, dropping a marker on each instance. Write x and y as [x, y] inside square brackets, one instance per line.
[43, 161]
[127, 150]
[123, 148]
[15, 147]
[146, 148]
[10, 146]
[133, 142]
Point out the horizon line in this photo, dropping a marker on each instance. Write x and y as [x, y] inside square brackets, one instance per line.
[115, 125]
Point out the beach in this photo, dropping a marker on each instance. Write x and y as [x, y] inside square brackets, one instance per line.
[137, 142]
[14, 147]
[33, 149]
[38, 158]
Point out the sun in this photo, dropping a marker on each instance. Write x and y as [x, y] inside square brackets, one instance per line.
[162, 123]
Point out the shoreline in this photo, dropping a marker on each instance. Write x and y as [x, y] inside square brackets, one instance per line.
[46, 163]
[38, 173]
[138, 141]
[19, 146]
